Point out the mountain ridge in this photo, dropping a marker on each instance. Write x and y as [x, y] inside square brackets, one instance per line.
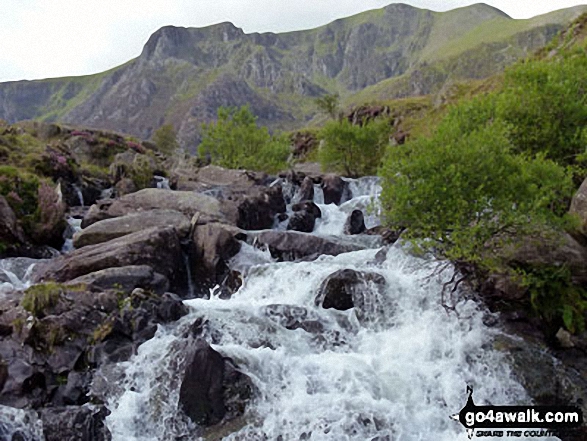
[184, 74]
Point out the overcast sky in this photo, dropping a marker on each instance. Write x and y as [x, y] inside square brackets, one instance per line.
[53, 38]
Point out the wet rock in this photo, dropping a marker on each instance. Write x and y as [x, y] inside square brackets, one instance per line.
[306, 191]
[75, 423]
[109, 229]
[348, 288]
[75, 391]
[308, 206]
[548, 379]
[125, 279]
[303, 221]
[355, 223]
[257, 211]
[334, 188]
[186, 202]
[171, 308]
[212, 388]
[294, 245]
[214, 245]
[158, 248]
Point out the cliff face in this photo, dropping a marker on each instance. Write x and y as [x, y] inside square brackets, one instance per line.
[184, 74]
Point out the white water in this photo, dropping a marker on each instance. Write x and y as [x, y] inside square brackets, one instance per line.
[24, 423]
[398, 374]
[80, 196]
[162, 182]
[18, 271]
[73, 226]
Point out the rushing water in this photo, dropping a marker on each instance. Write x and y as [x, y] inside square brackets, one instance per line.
[397, 373]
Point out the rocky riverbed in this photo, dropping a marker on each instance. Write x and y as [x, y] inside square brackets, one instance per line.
[246, 306]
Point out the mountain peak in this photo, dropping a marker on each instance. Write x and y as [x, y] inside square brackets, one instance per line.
[484, 8]
[173, 41]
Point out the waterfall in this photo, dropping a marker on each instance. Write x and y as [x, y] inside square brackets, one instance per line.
[397, 371]
[80, 195]
[162, 182]
[15, 273]
[73, 226]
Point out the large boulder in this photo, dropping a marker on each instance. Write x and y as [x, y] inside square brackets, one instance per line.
[256, 209]
[212, 389]
[306, 191]
[579, 206]
[109, 229]
[214, 245]
[125, 279]
[355, 223]
[336, 190]
[347, 288]
[303, 221]
[158, 248]
[186, 202]
[294, 245]
[550, 249]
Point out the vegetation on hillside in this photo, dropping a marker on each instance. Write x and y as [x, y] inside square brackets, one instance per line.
[499, 168]
[236, 141]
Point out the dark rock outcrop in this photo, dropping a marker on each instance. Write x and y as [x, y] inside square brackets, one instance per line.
[50, 350]
[293, 245]
[336, 190]
[306, 190]
[212, 388]
[303, 221]
[355, 223]
[214, 245]
[346, 289]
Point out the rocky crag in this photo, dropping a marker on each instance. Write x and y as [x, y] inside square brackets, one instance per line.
[183, 75]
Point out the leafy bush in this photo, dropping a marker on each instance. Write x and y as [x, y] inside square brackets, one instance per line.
[457, 191]
[165, 139]
[353, 150]
[235, 141]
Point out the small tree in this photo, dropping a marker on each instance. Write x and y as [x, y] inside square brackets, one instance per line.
[329, 105]
[235, 141]
[165, 139]
[351, 149]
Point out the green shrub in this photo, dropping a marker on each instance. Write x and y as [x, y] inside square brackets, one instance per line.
[235, 141]
[457, 191]
[554, 297]
[353, 150]
[166, 139]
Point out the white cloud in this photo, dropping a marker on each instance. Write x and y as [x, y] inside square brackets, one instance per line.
[50, 38]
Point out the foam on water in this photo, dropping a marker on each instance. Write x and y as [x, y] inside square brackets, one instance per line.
[397, 372]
